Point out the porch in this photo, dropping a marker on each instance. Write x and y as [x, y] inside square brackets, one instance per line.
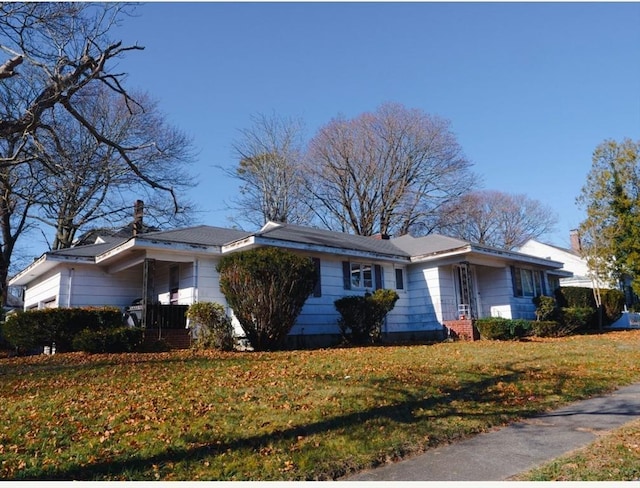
[161, 323]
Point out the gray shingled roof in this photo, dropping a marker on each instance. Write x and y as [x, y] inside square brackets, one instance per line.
[331, 239]
[431, 244]
[88, 250]
[203, 234]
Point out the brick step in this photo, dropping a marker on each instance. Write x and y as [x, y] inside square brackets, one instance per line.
[175, 338]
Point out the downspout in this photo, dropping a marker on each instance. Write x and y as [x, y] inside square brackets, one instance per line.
[71, 270]
[195, 281]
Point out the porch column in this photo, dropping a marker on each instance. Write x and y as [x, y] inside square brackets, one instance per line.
[148, 287]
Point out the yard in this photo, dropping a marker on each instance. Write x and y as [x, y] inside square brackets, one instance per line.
[296, 415]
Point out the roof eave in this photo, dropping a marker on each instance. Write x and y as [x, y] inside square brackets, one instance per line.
[44, 263]
[154, 244]
[420, 258]
[260, 240]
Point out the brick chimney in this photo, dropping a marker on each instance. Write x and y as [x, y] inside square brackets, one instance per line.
[576, 245]
[138, 214]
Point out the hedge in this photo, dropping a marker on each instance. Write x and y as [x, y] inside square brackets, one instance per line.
[119, 339]
[501, 329]
[34, 329]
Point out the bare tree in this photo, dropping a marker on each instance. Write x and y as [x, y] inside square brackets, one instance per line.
[17, 196]
[83, 183]
[269, 155]
[496, 219]
[385, 172]
[52, 55]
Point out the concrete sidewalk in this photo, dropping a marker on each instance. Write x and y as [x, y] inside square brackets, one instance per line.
[501, 454]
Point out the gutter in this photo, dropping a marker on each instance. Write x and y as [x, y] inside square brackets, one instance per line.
[486, 251]
[151, 244]
[253, 241]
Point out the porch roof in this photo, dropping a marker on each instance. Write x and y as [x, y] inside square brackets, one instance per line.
[434, 247]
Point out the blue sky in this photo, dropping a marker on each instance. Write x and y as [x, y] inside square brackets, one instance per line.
[530, 88]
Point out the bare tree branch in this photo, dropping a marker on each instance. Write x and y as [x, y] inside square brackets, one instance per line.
[7, 69]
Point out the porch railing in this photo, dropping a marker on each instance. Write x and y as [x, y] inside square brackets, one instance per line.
[159, 316]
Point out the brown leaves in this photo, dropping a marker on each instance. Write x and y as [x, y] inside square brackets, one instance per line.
[285, 415]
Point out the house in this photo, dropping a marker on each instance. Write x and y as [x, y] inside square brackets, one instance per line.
[441, 281]
[582, 277]
[572, 261]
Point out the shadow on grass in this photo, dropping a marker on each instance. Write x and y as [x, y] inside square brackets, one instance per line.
[403, 412]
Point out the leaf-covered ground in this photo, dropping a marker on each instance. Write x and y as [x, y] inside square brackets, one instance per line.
[296, 415]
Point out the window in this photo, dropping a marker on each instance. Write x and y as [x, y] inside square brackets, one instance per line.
[399, 279]
[361, 276]
[174, 283]
[527, 282]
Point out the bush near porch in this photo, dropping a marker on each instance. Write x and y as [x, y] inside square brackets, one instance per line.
[572, 310]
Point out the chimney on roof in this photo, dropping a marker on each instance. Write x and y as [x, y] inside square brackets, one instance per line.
[576, 245]
[380, 236]
[138, 213]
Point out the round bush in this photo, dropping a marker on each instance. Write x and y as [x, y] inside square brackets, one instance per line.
[361, 317]
[266, 288]
[210, 326]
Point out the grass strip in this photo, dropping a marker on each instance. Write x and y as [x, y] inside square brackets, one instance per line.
[613, 457]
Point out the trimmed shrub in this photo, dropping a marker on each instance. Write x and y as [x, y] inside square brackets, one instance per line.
[119, 339]
[575, 318]
[494, 328]
[34, 329]
[362, 316]
[501, 329]
[520, 328]
[575, 296]
[546, 328]
[210, 326]
[266, 288]
[546, 308]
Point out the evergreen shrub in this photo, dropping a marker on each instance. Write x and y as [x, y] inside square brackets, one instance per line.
[211, 327]
[575, 296]
[361, 317]
[546, 328]
[546, 308]
[501, 329]
[576, 318]
[266, 288]
[34, 329]
[114, 340]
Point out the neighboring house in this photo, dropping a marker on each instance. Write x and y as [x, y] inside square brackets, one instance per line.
[577, 265]
[439, 279]
[571, 259]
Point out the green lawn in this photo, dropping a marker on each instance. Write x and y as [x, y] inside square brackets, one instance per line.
[297, 415]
